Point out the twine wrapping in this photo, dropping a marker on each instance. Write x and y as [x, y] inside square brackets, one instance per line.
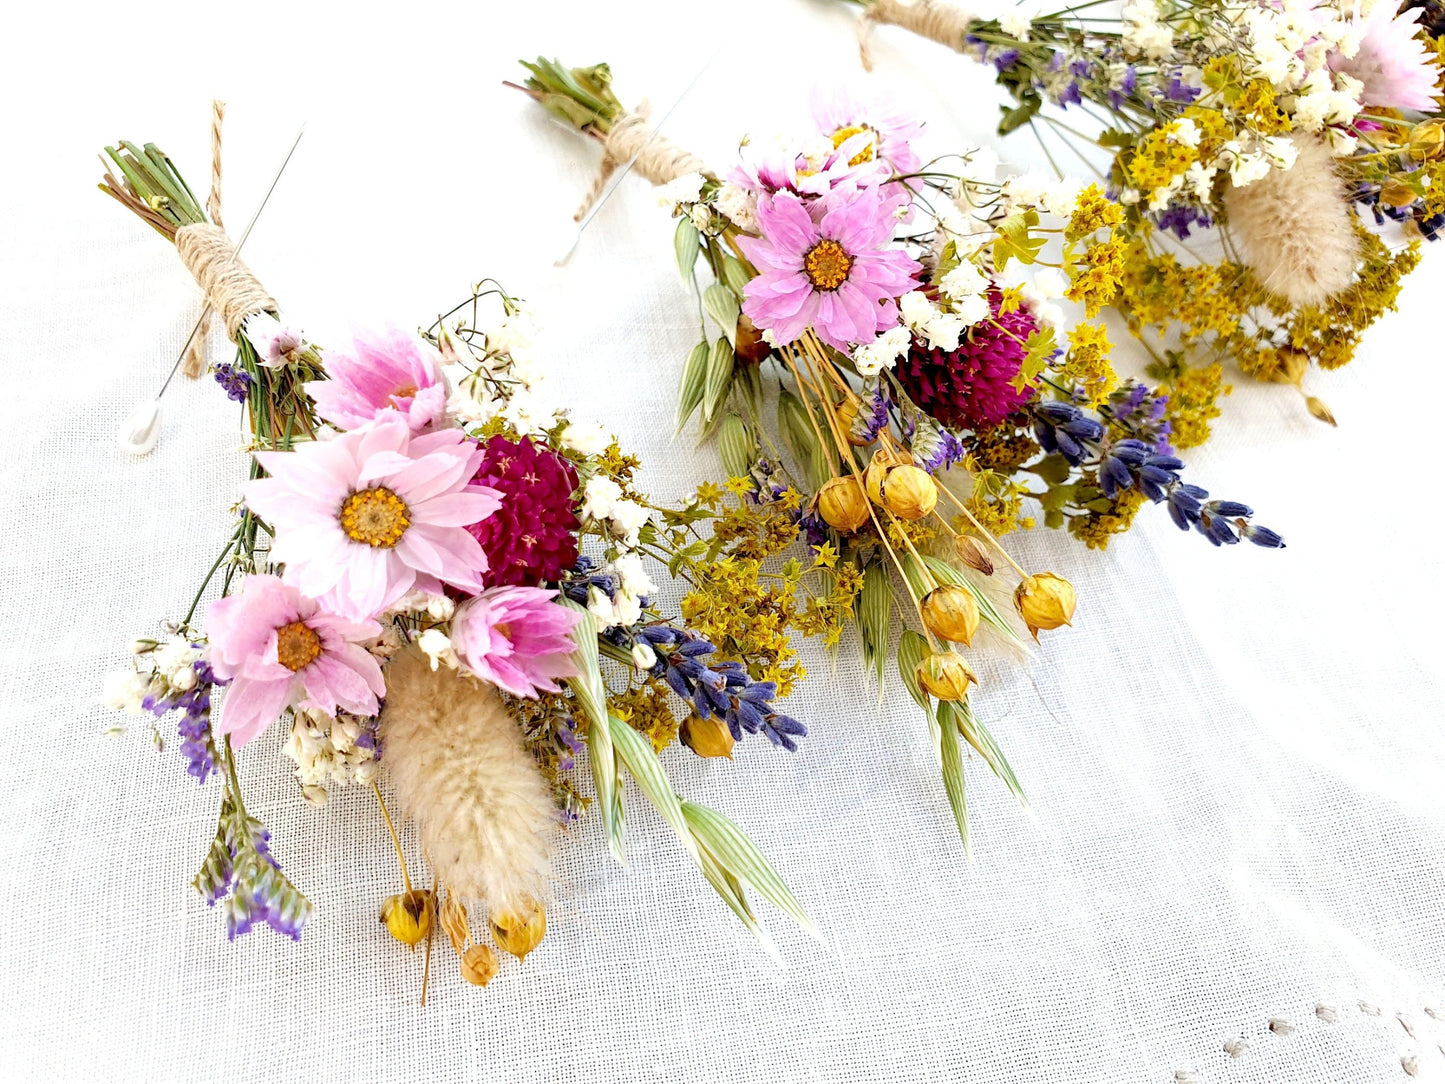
[653, 156]
[942, 23]
[210, 257]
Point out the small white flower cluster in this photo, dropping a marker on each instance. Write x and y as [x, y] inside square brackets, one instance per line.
[870, 359]
[1144, 34]
[686, 192]
[326, 753]
[502, 379]
[1042, 291]
[738, 205]
[1015, 23]
[277, 345]
[1291, 45]
[1034, 190]
[623, 519]
[162, 669]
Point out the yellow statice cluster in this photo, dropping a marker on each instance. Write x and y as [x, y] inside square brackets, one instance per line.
[997, 503]
[1329, 334]
[1193, 403]
[747, 613]
[1199, 300]
[1097, 281]
[1004, 449]
[647, 708]
[1095, 529]
[1087, 366]
[1094, 211]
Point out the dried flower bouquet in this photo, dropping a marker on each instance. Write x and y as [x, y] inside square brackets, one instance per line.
[438, 580]
[1256, 150]
[888, 384]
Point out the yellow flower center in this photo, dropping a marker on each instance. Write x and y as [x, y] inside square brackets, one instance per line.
[408, 392]
[377, 517]
[297, 646]
[827, 265]
[842, 135]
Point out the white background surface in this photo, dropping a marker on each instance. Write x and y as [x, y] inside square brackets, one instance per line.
[1235, 757]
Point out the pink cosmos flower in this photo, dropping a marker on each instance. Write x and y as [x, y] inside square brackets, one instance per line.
[280, 650]
[767, 169]
[842, 115]
[827, 265]
[388, 370]
[517, 638]
[1394, 65]
[362, 519]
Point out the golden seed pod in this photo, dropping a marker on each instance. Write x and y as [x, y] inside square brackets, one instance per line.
[453, 917]
[1427, 140]
[971, 552]
[1045, 601]
[946, 676]
[950, 613]
[1395, 193]
[878, 467]
[479, 965]
[408, 916]
[1293, 364]
[909, 492]
[842, 505]
[707, 737]
[1318, 409]
[516, 933]
[847, 417]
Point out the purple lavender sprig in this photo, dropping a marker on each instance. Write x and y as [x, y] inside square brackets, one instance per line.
[722, 689]
[197, 743]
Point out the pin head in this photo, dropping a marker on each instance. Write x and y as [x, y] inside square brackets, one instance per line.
[140, 431]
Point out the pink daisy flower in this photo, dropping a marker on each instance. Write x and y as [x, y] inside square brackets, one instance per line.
[827, 265]
[362, 519]
[842, 116]
[389, 370]
[280, 650]
[1393, 64]
[517, 638]
[768, 169]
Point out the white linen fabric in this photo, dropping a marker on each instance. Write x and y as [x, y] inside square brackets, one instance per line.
[1235, 757]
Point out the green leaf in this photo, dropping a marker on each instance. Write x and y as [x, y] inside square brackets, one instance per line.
[735, 275]
[977, 735]
[875, 610]
[1014, 240]
[1053, 468]
[636, 753]
[793, 425]
[694, 379]
[952, 761]
[722, 306]
[591, 693]
[914, 573]
[720, 364]
[912, 650]
[686, 246]
[736, 445]
[740, 856]
[1040, 348]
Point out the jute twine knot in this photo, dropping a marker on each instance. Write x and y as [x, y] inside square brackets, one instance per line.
[210, 257]
[656, 157]
[942, 23]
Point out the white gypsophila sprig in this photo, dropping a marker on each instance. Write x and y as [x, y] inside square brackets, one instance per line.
[330, 752]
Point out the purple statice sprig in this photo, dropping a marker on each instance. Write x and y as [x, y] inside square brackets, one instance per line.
[242, 875]
[235, 380]
[719, 689]
[1065, 429]
[198, 745]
